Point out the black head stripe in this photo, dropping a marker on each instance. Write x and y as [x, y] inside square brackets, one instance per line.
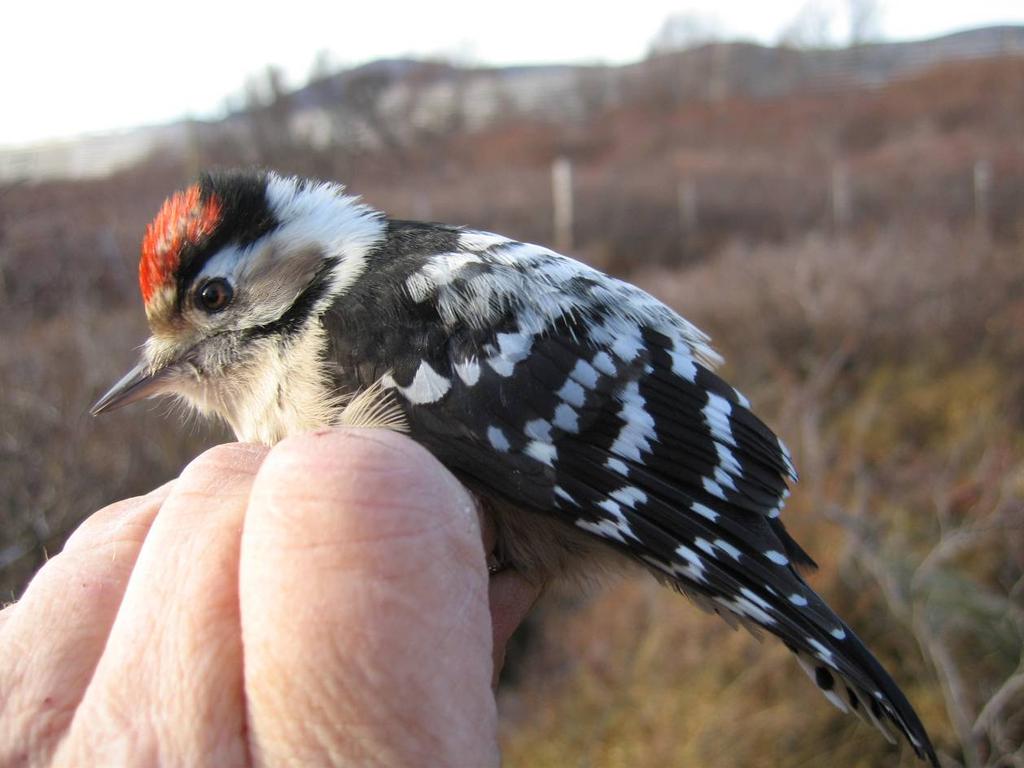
[245, 217]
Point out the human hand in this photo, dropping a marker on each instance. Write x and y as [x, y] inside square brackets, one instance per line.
[323, 602]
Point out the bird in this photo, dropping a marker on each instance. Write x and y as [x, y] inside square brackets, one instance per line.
[582, 412]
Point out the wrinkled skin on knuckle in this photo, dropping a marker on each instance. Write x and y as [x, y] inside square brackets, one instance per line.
[222, 473]
[101, 524]
[384, 486]
[117, 522]
[211, 466]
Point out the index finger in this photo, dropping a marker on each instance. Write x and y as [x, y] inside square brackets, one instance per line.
[364, 607]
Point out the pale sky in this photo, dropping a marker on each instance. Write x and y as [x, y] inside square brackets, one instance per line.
[103, 65]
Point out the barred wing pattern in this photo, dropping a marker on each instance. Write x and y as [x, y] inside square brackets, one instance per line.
[571, 393]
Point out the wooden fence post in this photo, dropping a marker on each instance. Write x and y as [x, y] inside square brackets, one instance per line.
[561, 194]
[841, 197]
[686, 197]
[983, 198]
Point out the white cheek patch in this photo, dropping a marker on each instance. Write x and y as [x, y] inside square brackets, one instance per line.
[266, 281]
[323, 217]
[269, 290]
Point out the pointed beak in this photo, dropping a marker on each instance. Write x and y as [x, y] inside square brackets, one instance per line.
[139, 383]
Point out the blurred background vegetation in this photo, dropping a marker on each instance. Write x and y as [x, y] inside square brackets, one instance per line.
[847, 223]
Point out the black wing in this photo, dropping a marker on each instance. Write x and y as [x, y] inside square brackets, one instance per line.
[573, 394]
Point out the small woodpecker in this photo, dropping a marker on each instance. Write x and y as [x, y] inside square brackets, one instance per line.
[585, 414]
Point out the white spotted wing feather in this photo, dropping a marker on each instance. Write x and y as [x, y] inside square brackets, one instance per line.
[560, 390]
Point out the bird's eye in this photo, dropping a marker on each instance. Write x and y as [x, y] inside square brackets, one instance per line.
[214, 295]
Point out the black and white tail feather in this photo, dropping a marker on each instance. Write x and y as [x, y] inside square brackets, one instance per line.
[566, 392]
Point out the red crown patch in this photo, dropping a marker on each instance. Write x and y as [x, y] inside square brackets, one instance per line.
[184, 219]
